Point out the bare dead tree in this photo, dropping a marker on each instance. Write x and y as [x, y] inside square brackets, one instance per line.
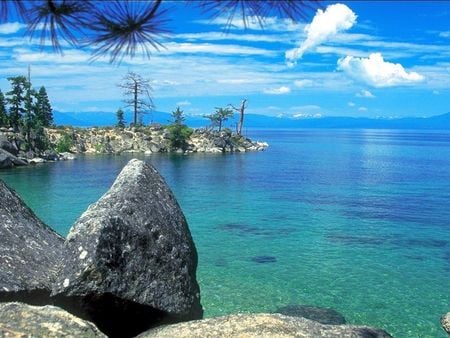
[241, 111]
[137, 92]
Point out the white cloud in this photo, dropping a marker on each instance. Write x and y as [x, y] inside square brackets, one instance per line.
[268, 23]
[445, 34]
[365, 93]
[183, 103]
[324, 27]
[217, 49]
[11, 27]
[278, 91]
[351, 104]
[307, 116]
[303, 83]
[376, 72]
[362, 109]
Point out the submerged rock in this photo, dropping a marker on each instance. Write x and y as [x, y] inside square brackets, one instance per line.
[261, 325]
[21, 320]
[130, 262]
[319, 314]
[264, 259]
[29, 252]
[445, 322]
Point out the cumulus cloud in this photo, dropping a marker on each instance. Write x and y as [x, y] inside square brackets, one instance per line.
[365, 93]
[278, 91]
[324, 27]
[351, 104]
[362, 109]
[376, 72]
[11, 27]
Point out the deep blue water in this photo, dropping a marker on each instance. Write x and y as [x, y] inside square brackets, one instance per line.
[356, 220]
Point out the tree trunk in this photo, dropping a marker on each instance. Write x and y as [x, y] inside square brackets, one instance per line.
[241, 117]
[135, 102]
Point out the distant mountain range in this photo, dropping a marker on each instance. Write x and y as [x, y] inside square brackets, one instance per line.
[100, 119]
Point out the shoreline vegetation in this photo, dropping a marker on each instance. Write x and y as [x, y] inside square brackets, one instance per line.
[62, 143]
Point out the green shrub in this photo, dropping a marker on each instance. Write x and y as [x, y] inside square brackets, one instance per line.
[65, 143]
[178, 136]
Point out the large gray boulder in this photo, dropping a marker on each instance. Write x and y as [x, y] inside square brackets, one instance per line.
[445, 322]
[130, 262]
[21, 320]
[261, 325]
[29, 251]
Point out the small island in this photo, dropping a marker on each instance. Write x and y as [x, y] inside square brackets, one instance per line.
[28, 134]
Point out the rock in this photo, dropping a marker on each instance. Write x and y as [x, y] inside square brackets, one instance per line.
[29, 252]
[50, 155]
[21, 320]
[5, 144]
[67, 156]
[318, 314]
[36, 160]
[129, 262]
[8, 160]
[261, 325]
[445, 322]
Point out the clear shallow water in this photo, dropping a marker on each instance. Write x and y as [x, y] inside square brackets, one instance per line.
[356, 220]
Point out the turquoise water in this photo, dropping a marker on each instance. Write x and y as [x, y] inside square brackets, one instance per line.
[356, 220]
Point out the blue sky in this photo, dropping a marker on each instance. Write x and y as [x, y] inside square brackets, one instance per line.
[353, 58]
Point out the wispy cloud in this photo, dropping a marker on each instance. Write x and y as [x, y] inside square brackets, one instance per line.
[184, 103]
[269, 23]
[324, 27]
[216, 49]
[303, 83]
[11, 27]
[376, 72]
[278, 91]
[444, 34]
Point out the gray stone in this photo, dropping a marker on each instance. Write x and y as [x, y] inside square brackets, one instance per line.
[445, 322]
[130, 262]
[7, 145]
[261, 325]
[8, 160]
[68, 156]
[21, 320]
[29, 252]
[36, 160]
[50, 155]
[318, 314]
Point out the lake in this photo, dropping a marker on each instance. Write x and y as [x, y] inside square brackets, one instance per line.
[355, 220]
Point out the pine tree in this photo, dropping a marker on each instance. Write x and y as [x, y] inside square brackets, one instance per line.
[120, 119]
[16, 99]
[3, 113]
[44, 111]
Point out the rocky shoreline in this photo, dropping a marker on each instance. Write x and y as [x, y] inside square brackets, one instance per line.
[126, 269]
[147, 140]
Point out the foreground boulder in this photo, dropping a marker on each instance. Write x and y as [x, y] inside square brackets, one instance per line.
[21, 320]
[129, 262]
[445, 322]
[261, 325]
[319, 314]
[29, 252]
